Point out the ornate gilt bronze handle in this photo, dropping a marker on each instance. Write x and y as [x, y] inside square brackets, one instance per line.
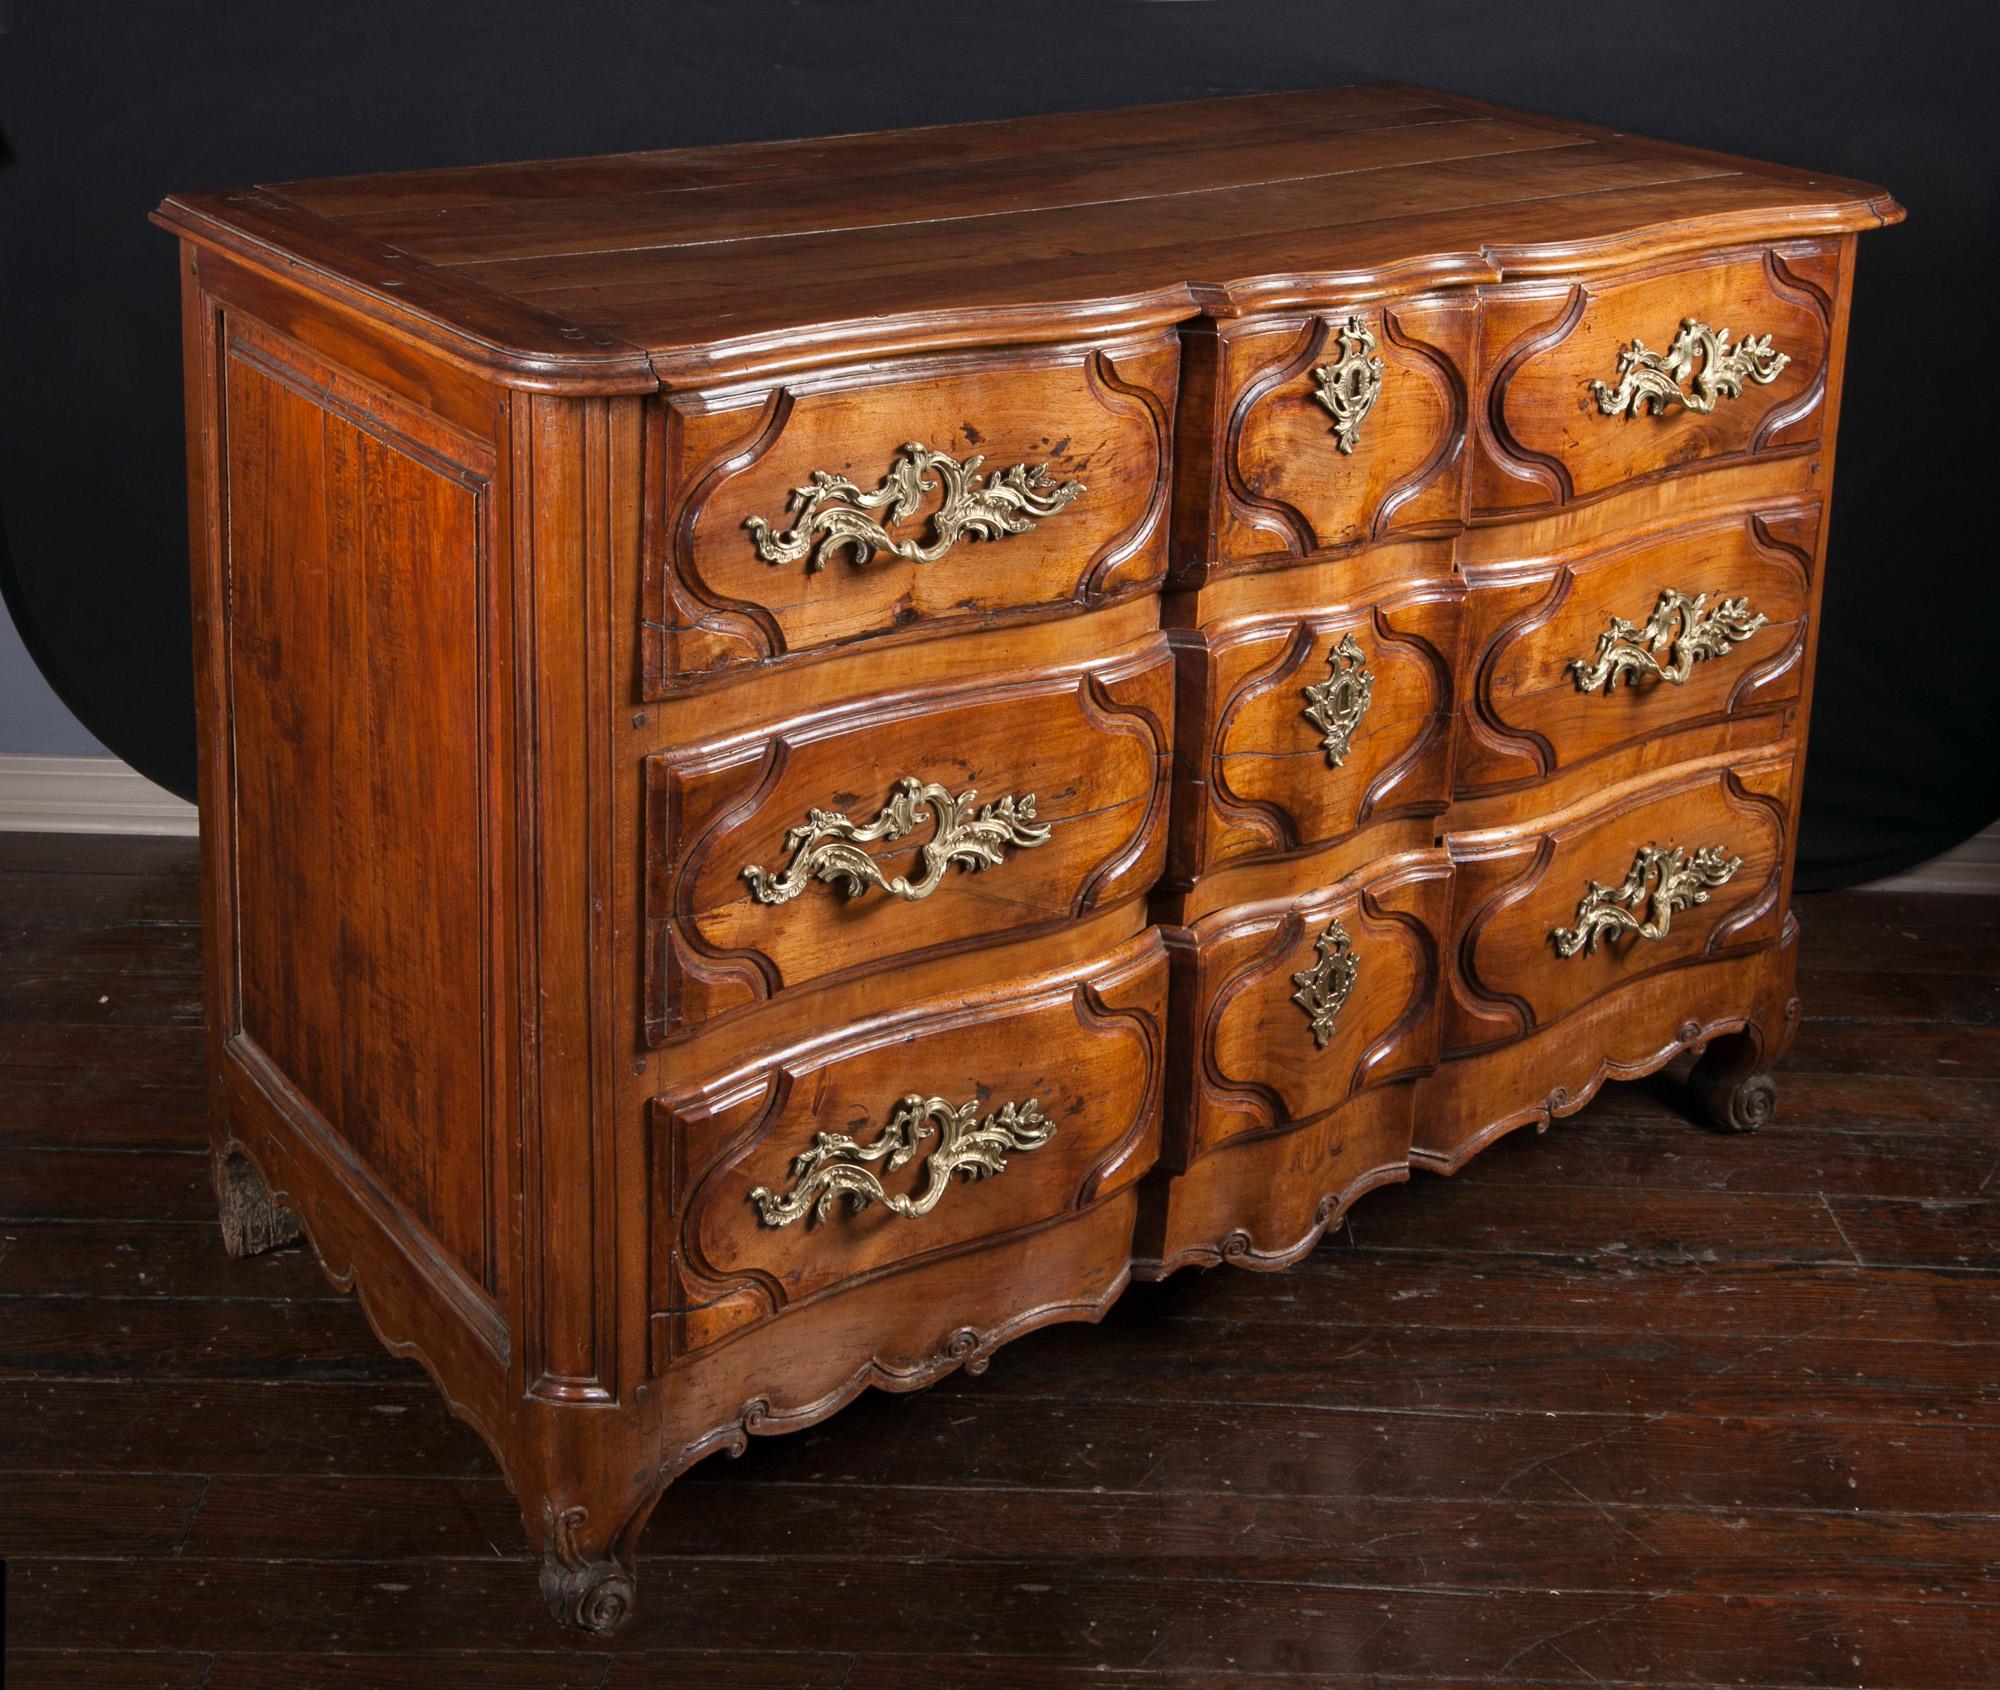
[1651, 381]
[1324, 987]
[1350, 385]
[1686, 629]
[966, 1145]
[1664, 878]
[830, 512]
[827, 845]
[1336, 705]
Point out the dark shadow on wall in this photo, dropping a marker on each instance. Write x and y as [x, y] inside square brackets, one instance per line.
[13, 594]
[109, 106]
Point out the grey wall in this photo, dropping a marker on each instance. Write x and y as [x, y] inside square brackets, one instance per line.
[32, 718]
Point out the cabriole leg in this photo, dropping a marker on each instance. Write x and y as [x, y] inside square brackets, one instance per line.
[1732, 1097]
[1731, 1084]
[252, 1219]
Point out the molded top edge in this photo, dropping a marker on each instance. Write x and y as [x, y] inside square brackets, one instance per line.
[692, 267]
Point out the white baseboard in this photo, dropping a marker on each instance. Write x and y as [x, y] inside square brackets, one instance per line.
[1971, 867]
[86, 795]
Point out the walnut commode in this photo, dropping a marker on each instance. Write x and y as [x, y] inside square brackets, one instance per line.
[815, 753]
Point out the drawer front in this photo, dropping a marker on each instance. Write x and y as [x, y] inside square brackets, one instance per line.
[1323, 432]
[1551, 917]
[922, 1133]
[913, 823]
[1297, 730]
[1604, 383]
[1607, 650]
[940, 495]
[1295, 1007]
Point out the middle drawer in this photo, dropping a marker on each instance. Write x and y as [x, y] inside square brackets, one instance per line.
[910, 823]
[1599, 651]
[1298, 727]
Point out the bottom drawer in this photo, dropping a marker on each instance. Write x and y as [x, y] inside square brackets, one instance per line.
[1481, 1095]
[932, 1130]
[1287, 1009]
[1551, 915]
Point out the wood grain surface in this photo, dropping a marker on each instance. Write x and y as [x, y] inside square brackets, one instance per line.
[614, 272]
[588, 554]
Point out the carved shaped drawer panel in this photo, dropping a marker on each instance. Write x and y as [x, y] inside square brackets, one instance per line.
[895, 501]
[1604, 650]
[1319, 432]
[1655, 874]
[1288, 1008]
[930, 1130]
[1295, 730]
[1592, 385]
[907, 823]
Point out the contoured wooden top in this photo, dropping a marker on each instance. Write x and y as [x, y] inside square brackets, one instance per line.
[616, 273]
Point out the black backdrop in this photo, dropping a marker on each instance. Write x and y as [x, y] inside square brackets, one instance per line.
[106, 105]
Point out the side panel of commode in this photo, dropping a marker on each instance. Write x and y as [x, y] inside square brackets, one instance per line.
[356, 802]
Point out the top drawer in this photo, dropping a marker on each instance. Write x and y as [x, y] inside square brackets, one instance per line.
[1593, 385]
[1304, 436]
[894, 502]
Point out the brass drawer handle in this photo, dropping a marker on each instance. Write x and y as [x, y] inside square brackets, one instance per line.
[966, 1145]
[1350, 385]
[1651, 381]
[1325, 986]
[1336, 705]
[1664, 878]
[830, 512]
[827, 845]
[1687, 629]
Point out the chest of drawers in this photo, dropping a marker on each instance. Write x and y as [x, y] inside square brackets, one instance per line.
[814, 754]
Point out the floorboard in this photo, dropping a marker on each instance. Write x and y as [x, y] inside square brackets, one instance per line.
[1620, 1404]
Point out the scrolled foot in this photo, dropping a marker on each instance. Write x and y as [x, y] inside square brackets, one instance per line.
[597, 1597]
[252, 1219]
[1732, 1093]
[1746, 1108]
[585, 1589]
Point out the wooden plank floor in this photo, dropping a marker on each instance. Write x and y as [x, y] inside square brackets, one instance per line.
[1625, 1404]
